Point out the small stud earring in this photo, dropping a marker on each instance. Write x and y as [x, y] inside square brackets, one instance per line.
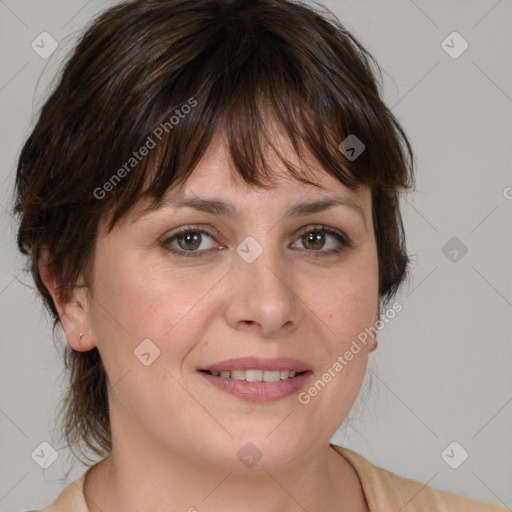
[80, 337]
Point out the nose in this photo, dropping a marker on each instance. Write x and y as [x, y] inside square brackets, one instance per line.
[263, 299]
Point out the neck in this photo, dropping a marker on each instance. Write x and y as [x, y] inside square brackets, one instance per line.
[137, 479]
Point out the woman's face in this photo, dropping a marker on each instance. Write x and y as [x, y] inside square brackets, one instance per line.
[264, 283]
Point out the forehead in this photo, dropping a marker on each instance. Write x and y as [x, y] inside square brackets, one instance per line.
[215, 186]
[216, 175]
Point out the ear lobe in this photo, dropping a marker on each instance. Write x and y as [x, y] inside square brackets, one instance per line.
[75, 321]
[73, 311]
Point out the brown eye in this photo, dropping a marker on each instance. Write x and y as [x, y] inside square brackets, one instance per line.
[318, 241]
[314, 240]
[189, 242]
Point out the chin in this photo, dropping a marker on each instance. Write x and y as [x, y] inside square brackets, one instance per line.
[262, 449]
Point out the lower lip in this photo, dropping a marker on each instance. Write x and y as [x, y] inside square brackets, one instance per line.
[259, 391]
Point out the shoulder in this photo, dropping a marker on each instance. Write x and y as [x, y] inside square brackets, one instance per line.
[385, 490]
[70, 498]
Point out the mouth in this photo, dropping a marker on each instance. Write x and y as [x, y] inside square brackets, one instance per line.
[258, 380]
[255, 375]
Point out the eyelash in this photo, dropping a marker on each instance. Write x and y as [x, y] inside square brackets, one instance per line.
[343, 240]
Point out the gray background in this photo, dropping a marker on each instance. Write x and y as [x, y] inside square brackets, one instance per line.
[442, 369]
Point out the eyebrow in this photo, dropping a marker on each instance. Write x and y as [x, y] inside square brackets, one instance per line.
[221, 208]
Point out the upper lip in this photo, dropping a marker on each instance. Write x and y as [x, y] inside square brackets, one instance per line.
[258, 363]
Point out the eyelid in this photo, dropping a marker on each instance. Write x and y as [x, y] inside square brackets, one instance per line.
[209, 230]
[342, 238]
[215, 232]
[327, 229]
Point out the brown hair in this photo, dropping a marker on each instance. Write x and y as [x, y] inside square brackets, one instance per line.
[169, 74]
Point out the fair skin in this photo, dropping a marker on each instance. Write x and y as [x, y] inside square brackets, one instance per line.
[175, 435]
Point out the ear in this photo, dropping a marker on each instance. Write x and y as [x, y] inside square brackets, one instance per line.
[377, 316]
[375, 342]
[73, 311]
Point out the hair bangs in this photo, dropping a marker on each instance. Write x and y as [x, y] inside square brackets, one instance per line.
[250, 106]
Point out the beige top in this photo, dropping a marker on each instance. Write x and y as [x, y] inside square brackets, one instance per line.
[384, 491]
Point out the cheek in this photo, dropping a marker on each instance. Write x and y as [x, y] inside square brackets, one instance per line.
[134, 302]
[350, 302]
[349, 309]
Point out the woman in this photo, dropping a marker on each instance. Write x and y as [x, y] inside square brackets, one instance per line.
[210, 203]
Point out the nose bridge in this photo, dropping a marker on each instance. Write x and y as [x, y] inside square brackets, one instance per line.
[263, 286]
[262, 260]
[263, 264]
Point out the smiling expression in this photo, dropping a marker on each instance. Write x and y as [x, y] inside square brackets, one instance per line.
[227, 277]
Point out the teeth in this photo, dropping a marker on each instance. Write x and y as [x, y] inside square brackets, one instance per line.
[271, 376]
[254, 375]
[257, 375]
